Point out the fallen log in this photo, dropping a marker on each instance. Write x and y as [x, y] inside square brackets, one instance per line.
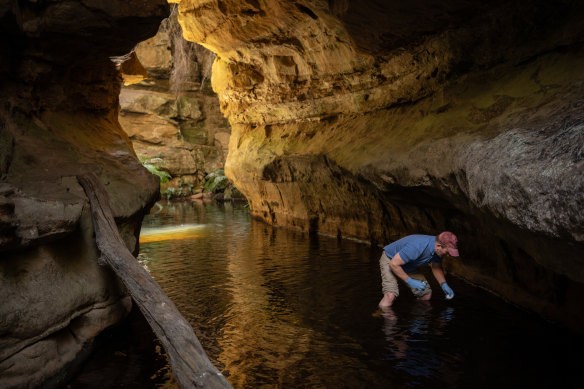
[189, 362]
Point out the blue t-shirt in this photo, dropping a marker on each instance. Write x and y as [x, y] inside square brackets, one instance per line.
[415, 250]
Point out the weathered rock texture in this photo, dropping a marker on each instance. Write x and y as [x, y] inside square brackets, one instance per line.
[173, 116]
[378, 119]
[58, 118]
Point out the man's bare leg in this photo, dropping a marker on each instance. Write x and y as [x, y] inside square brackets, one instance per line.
[387, 300]
[426, 297]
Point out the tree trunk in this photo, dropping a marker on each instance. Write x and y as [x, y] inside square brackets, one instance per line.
[190, 364]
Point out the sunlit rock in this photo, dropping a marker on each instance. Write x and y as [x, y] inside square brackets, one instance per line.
[132, 70]
[172, 116]
[374, 120]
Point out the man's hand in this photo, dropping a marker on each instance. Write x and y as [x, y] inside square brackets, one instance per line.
[447, 290]
[415, 284]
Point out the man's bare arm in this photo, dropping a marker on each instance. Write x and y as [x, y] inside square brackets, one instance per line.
[395, 264]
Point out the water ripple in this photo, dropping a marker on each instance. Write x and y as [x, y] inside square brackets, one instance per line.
[277, 308]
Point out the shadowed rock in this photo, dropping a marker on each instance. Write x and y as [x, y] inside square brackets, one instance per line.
[58, 119]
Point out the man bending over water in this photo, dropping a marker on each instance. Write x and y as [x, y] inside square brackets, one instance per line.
[402, 257]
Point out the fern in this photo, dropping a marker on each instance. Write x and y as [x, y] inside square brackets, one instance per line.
[164, 176]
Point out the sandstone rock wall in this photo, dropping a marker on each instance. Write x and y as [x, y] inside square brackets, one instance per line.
[58, 119]
[374, 120]
[368, 120]
[172, 116]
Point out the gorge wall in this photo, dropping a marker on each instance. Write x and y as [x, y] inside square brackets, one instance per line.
[170, 112]
[367, 120]
[373, 120]
[58, 119]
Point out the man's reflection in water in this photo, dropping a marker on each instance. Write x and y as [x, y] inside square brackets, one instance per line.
[408, 338]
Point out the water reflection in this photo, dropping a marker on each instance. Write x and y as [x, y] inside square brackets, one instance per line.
[186, 231]
[268, 303]
[277, 308]
[409, 339]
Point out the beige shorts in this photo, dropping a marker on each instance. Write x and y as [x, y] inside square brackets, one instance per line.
[389, 281]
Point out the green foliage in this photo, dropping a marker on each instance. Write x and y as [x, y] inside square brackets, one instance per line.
[164, 176]
[172, 191]
[216, 182]
[169, 192]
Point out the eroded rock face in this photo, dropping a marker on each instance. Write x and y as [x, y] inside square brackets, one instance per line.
[58, 119]
[173, 116]
[375, 120]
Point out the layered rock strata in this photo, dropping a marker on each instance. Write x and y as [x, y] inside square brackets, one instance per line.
[172, 116]
[373, 120]
[58, 119]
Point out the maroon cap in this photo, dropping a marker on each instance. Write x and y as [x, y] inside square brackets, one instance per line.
[449, 240]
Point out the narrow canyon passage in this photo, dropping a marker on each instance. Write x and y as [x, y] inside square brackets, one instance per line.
[355, 120]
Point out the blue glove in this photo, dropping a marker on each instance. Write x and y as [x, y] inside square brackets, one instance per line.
[415, 284]
[448, 290]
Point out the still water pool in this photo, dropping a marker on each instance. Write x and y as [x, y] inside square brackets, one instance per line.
[275, 308]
